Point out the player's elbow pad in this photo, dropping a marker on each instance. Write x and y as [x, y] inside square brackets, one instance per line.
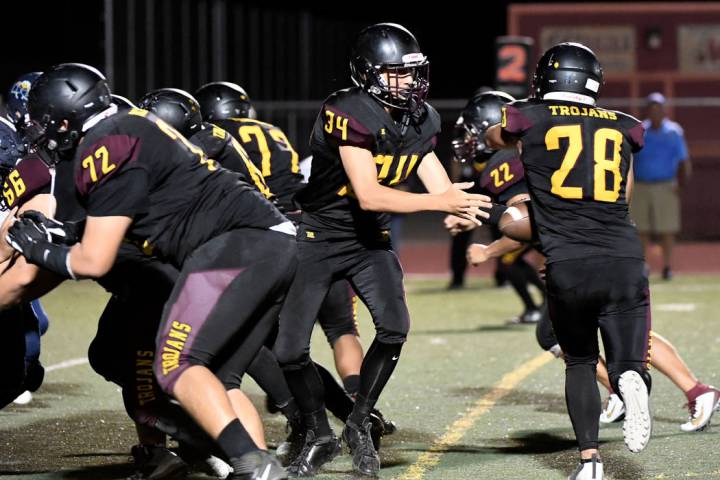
[496, 212]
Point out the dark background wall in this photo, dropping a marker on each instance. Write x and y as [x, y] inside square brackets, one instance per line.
[277, 52]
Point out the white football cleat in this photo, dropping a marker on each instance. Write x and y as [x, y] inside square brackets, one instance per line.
[23, 399]
[638, 422]
[588, 470]
[218, 467]
[614, 410]
[701, 411]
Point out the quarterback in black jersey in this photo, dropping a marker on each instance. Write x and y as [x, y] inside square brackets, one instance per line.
[577, 159]
[139, 178]
[366, 140]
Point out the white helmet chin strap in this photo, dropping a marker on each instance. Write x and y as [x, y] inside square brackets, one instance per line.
[95, 119]
[569, 97]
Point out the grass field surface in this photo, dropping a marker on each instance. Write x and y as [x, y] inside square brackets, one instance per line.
[473, 397]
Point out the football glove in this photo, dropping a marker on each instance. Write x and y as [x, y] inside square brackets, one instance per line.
[35, 244]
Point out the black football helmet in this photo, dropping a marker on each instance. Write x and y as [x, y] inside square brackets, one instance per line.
[70, 92]
[177, 107]
[391, 49]
[482, 111]
[123, 103]
[568, 67]
[221, 100]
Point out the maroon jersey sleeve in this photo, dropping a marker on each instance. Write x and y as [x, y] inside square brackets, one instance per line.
[636, 136]
[501, 176]
[109, 178]
[342, 128]
[30, 177]
[514, 122]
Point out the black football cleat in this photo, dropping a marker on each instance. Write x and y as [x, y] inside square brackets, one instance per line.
[158, 463]
[380, 427]
[288, 450]
[315, 453]
[257, 465]
[365, 458]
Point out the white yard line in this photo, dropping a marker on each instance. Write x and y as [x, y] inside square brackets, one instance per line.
[74, 362]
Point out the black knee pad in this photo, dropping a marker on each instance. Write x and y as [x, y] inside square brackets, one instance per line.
[296, 363]
[394, 327]
[572, 361]
[333, 334]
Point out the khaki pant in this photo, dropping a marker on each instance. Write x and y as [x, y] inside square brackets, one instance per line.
[655, 207]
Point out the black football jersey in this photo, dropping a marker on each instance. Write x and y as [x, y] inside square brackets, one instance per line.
[352, 117]
[226, 150]
[134, 164]
[576, 160]
[503, 176]
[272, 153]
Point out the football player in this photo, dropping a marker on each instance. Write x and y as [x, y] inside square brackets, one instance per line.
[505, 177]
[139, 178]
[227, 106]
[366, 140]
[493, 171]
[25, 322]
[123, 348]
[577, 159]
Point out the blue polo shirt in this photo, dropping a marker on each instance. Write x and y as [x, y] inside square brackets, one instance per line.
[663, 151]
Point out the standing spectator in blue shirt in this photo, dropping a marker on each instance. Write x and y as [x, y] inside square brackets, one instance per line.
[655, 204]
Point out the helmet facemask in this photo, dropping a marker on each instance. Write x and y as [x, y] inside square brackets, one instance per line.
[389, 83]
[51, 140]
[468, 142]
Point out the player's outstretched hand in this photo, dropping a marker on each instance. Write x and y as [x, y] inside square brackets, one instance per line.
[455, 225]
[477, 254]
[465, 205]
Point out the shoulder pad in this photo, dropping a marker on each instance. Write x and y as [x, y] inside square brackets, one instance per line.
[433, 119]
[634, 130]
[504, 170]
[103, 159]
[211, 140]
[347, 116]
[30, 177]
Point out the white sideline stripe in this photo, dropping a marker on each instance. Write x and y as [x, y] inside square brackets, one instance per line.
[67, 364]
[675, 307]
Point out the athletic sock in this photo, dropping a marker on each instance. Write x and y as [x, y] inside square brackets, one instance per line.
[696, 391]
[352, 384]
[583, 402]
[336, 399]
[307, 388]
[379, 363]
[235, 441]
